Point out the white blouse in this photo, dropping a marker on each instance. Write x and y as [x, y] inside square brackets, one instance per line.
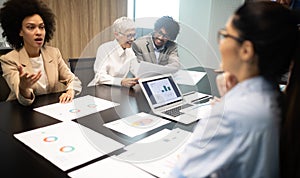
[42, 84]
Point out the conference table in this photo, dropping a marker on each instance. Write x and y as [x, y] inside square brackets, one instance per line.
[18, 160]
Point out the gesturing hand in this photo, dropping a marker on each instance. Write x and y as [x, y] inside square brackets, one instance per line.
[27, 81]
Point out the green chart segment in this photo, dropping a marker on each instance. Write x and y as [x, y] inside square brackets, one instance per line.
[165, 88]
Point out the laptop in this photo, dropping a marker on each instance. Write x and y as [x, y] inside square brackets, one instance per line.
[165, 98]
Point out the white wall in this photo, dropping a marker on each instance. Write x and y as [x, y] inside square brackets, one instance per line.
[200, 20]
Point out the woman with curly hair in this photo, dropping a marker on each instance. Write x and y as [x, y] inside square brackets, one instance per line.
[33, 68]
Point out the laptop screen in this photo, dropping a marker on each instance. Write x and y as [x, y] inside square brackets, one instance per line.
[162, 91]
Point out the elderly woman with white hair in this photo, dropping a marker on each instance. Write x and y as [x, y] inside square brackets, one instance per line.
[114, 57]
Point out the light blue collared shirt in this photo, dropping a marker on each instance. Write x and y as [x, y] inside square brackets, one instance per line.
[157, 51]
[239, 139]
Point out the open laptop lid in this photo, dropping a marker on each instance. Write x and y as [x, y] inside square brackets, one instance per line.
[160, 90]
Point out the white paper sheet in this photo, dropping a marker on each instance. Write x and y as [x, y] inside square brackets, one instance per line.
[110, 167]
[162, 167]
[147, 69]
[155, 137]
[199, 111]
[136, 124]
[187, 77]
[68, 144]
[79, 107]
[145, 151]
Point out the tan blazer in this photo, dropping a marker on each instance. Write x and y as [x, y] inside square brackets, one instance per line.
[59, 75]
[144, 50]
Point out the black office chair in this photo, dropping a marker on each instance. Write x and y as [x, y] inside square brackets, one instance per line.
[83, 69]
[5, 90]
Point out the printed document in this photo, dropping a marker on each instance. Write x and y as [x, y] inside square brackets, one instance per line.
[110, 167]
[136, 124]
[68, 144]
[79, 107]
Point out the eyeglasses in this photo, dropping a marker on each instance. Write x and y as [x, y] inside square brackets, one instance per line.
[129, 36]
[163, 35]
[222, 34]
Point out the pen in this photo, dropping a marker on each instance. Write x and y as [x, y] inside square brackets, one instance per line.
[201, 98]
[205, 100]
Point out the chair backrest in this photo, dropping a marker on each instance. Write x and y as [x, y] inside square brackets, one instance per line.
[4, 88]
[83, 69]
[5, 50]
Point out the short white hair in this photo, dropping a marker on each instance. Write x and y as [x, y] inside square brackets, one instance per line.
[123, 24]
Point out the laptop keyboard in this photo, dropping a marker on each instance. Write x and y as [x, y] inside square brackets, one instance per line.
[176, 111]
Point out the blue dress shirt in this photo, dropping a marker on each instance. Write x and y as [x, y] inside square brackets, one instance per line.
[239, 139]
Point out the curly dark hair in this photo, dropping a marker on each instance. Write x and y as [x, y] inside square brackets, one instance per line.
[14, 12]
[170, 25]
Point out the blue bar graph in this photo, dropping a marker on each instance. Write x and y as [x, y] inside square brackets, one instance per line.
[165, 88]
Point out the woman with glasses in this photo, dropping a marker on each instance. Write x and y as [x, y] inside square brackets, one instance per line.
[113, 59]
[159, 47]
[240, 138]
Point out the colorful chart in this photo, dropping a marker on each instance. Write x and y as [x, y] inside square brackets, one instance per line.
[67, 149]
[92, 105]
[50, 139]
[143, 122]
[74, 110]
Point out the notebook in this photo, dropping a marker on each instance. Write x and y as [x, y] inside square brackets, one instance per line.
[165, 98]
